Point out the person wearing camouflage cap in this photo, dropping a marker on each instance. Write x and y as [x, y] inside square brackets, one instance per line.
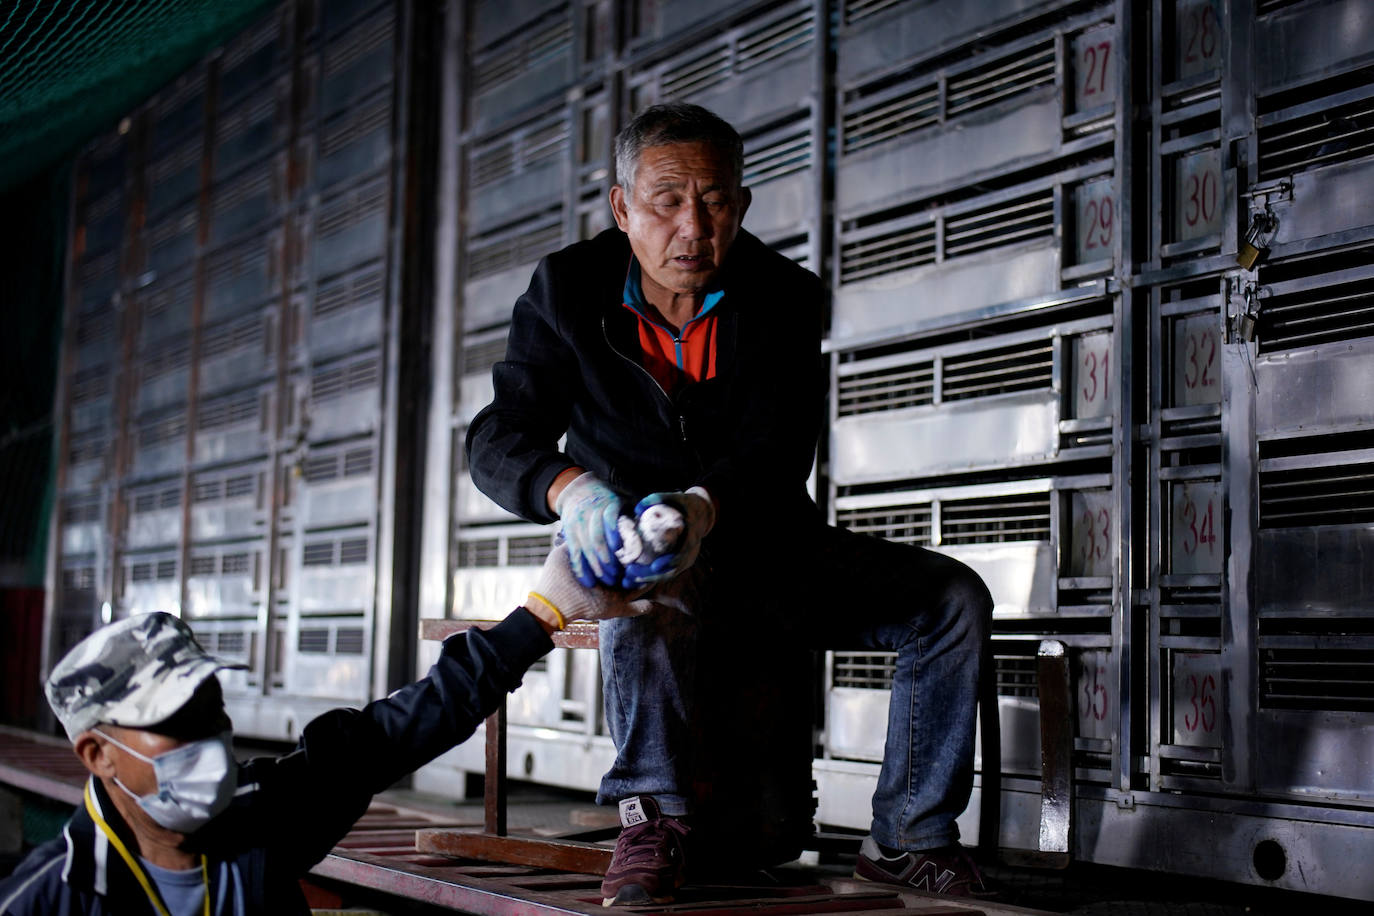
[172, 825]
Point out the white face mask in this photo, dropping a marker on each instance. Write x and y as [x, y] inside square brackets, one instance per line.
[195, 782]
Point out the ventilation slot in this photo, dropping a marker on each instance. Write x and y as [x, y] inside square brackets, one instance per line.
[158, 430]
[337, 381]
[781, 156]
[229, 411]
[350, 209]
[865, 672]
[696, 75]
[234, 194]
[75, 513]
[1024, 367]
[208, 491]
[1316, 316]
[1340, 494]
[320, 553]
[352, 551]
[528, 51]
[226, 268]
[234, 564]
[891, 116]
[321, 468]
[773, 40]
[78, 580]
[901, 249]
[1001, 79]
[903, 524]
[227, 338]
[357, 462]
[892, 388]
[492, 164]
[995, 519]
[93, 327]
[478, 358]
[1337, 134]
[313, 641]
[1175, 428]
[474, 554]
[367, 37]
[236, 122]
[203, 566]
[236, 487]
[233, 644]
[351, 128]
[1319, 680]
[1002, 224]
[859, 10]
[167, 357]
[348, 293]
[528, 551]
[485, 258]
[89, 384]
[166, 569]
[90, 445]
[1190, 596]
[496, 69]
[1017, 676]
[518, 153]
[98, 270]
[348, 641]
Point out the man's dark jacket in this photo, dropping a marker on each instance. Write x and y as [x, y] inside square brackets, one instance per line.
[573, 362]
[291, 810]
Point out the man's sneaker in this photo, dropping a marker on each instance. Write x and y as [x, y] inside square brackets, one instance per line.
[948, 870]
[647, 866]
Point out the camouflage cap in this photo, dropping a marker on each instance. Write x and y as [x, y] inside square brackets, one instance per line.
[135, 672]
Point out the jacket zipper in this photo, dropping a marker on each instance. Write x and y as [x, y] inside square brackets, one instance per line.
[681, 420]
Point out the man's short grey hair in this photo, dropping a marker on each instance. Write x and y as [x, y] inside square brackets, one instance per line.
[674, 122]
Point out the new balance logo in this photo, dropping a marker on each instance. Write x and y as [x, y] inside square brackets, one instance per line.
[632, 812]
[930, 877]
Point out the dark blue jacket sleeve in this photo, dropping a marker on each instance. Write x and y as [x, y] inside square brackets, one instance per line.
[308, 799]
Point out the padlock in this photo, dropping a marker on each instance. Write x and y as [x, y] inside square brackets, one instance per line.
[1250, 248]
[1247, 320]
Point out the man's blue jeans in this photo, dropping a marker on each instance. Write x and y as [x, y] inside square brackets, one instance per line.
[845, 591]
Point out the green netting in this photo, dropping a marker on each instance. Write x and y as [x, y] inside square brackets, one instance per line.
[70, 69]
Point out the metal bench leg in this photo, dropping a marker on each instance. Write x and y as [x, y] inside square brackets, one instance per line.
[494, 786]
[1056, 755]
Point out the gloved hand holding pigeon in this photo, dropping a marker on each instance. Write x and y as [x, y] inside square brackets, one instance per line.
[664, 537]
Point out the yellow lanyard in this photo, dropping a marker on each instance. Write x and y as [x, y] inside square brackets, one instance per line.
[149, 887]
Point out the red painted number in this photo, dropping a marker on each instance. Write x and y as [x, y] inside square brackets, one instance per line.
[1201, 531]
[1099, 223]
[1094, 693]
[1091, 366]
[1095, 57]
[1099, 526]
[1201, 204]
[1204, 712]
[1201, 34]
[1200, 354]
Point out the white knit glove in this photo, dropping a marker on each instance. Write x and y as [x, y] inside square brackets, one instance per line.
[569, 600]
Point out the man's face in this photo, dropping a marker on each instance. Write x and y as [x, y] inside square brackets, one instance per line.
[681, 217]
